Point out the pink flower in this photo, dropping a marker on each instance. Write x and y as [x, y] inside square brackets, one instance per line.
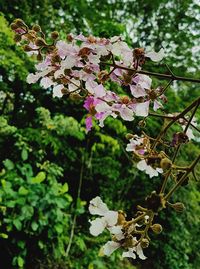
[88, 123]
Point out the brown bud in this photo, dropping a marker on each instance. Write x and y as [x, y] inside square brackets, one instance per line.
[65, 91]
[40, 42]
[19, 23]
[103, 76]
[142, 123]
[165, 163]
[36, 28]
[75, 96]
[84, 52]
[54, 35]
[121, 217]
[129, 136]
[69, 38]
[13, 26]
[125, 99]
[144, 243]
[138, 52]
[156, 228]
[27, 48]
[91, 39]
[17, 38]
[39, 57]
[178, 207]
[55, 58]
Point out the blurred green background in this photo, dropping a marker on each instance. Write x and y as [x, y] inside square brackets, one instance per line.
[45, 152]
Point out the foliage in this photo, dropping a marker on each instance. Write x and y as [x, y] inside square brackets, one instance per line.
[42, 141]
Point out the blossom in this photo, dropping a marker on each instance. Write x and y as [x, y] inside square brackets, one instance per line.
[108, 217]
[131, 252]
[143, 166]
[156, 56]
[57, 91]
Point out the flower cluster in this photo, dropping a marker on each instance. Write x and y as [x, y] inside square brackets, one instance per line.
[124, 233]
[80, 67]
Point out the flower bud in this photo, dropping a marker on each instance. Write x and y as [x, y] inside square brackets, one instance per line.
[138, 52]
[36, 28]
[27, 48]
[178, 207]
[55, 59]
[142, 123]
[13, 26]
[156, 228]
[40, 42]
[19, 23]
[129, 136]
[144, 243]
[125, 99]
[39, 57]
[165, 163]
[17, 38]
[75, 96]
[121, 218]
[54, 35]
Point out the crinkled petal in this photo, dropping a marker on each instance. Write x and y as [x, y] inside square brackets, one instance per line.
[98, 207]
[129, 254]
[142, 165]
[57, 91]
[97, 226]
[156, 56]
[110, 247]
[111, 217]
[140, 253]
[142, 109]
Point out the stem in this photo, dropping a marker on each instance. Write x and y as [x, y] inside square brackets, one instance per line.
[75, 215]
[185, 111]
[191, 168]
[159, 75]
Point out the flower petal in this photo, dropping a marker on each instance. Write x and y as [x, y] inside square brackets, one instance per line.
[97, 226]
[98, 207]
[110, 247]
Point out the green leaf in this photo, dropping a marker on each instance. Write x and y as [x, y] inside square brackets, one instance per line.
[64, 188]
[24, 154]
[2, 235]
[39, 178]
[17, 224]
[8, 164]
[20, 261]
[34, 226]
[23, 191]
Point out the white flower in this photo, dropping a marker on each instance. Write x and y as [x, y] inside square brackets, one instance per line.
[57, 91]
[142, 109]
[143, 166]
[32, 78]
[46, 82]
[135, 141]
[108, 217]
[130, 253]
[156, 56]
[97, 207]
[117, 232]
[110, 247]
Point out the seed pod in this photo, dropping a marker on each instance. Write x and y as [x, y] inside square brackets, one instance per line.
[144, 243]
[178, 207]
[17, 38]
[36, 28]
[165, 163]
[156, 228]
[40, 42]
[54, 35]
